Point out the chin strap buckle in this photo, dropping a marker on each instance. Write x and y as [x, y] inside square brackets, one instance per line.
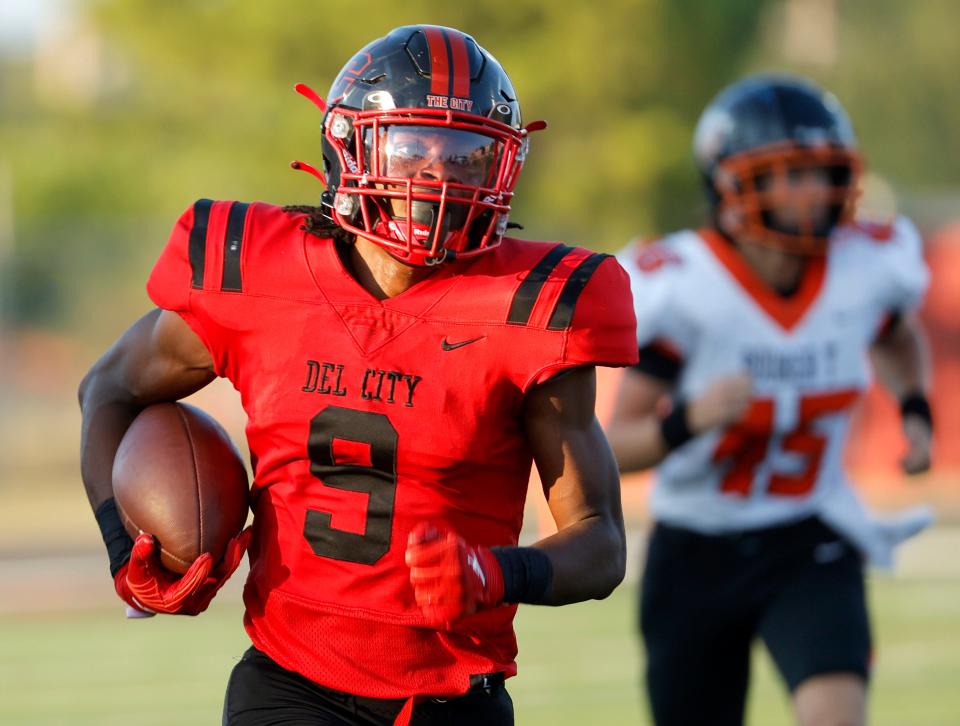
[444, 256]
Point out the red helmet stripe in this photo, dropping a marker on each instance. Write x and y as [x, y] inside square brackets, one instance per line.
[439, 62]
[461, 65]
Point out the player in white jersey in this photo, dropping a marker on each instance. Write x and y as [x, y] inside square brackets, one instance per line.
[756, 336]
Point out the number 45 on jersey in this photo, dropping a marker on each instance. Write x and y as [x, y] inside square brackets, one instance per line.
[748, 443]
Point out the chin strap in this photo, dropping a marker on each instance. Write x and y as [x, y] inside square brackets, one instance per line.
[439, 230]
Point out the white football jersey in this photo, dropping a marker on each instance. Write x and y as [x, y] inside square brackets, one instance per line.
[807, 355]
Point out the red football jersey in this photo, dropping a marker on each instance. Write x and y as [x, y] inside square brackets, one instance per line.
[367, 416]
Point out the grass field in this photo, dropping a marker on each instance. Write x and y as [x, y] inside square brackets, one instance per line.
[578, 665]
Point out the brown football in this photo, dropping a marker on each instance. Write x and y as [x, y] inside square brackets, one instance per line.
[178, 476]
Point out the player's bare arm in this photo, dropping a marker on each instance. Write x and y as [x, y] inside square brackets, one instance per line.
[646, 424]
[634, 430]
[159, 358]
[584, 560]
[582, 487]
[901, 358]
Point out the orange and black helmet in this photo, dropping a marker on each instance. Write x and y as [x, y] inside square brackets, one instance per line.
[766, 126]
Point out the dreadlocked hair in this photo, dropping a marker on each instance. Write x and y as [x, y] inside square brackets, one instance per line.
[319, 224]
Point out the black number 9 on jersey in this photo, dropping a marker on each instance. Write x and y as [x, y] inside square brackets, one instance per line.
[355, 451]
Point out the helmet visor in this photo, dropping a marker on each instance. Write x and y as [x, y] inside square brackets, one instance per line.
[436, 154]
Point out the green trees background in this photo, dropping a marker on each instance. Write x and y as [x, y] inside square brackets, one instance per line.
[194, 98]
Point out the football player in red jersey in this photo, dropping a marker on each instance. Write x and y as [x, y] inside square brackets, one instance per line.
[760, 328]
[402, 363]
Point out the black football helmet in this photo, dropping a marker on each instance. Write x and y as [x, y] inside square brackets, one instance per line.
[769, 125]
[422, 145]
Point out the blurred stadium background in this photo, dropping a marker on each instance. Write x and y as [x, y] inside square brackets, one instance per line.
[117, 114]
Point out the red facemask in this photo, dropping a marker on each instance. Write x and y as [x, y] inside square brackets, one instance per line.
[427, 185]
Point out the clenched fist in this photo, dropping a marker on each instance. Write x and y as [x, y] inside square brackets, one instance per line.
[451, 579]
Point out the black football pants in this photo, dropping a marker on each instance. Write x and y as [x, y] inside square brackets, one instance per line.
[261, 693]
[705, 599]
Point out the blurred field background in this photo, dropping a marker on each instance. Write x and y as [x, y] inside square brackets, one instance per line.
[117, 114]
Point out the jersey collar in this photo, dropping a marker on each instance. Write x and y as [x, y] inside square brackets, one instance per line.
[787, 312]
[338, 286]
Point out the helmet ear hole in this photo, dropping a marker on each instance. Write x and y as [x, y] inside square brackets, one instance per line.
[501, 112]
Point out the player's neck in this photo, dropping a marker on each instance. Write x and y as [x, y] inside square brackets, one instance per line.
[379, 272]
[781, 271]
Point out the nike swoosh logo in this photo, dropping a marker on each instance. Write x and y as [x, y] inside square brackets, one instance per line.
[453, 346]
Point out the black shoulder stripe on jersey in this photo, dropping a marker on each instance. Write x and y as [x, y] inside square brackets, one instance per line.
[197, 249]
[232, 244]
[563, 311]
[526, 296]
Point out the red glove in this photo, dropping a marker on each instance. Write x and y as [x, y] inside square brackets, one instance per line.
[144, 584]
[451, 579]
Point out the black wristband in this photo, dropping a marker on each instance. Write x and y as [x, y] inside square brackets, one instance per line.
[527, 574]
[916, 404]
[115, 537]
[674, 427]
